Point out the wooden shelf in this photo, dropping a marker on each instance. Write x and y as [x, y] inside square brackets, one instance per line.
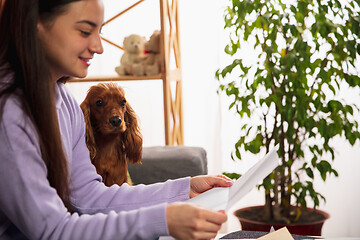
[116, 78]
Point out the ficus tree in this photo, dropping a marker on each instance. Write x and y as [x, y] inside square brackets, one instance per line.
[307, 53]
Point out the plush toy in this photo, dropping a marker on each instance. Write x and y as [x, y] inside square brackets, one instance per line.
[152, 59]
[133, 55]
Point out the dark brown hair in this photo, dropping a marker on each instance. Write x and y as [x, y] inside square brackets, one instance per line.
[22, 55]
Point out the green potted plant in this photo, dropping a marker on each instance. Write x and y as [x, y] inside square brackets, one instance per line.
[306, 52]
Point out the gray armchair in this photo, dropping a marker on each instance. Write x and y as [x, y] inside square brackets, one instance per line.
[168, 162]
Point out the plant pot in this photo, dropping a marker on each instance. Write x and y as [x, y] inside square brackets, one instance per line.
[304, 228]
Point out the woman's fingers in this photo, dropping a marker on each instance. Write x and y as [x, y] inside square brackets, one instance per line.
[188, 221]
[200, 184]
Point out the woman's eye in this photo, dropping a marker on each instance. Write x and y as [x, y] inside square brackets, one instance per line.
[99, 103]
[85, 33]
[122, 103]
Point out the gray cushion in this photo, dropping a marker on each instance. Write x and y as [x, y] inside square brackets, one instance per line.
[168, 162]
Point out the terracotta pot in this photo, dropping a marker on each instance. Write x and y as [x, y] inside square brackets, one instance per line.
[309, 229]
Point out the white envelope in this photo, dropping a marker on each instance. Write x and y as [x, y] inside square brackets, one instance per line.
[225, 198]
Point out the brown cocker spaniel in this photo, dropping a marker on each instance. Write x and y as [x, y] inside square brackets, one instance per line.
[112, 132]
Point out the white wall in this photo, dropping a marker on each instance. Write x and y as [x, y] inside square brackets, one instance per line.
[207, 121]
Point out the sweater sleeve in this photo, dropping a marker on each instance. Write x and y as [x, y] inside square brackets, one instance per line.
[29, 202]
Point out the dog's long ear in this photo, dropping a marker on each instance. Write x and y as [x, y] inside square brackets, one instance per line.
[89, 134]
[133, 138]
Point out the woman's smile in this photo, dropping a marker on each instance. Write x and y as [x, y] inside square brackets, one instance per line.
[85, 61]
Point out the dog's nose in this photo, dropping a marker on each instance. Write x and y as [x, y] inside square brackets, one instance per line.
[115, 121]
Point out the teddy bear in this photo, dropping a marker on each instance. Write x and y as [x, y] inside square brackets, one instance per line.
[134, 45]
[152, 59]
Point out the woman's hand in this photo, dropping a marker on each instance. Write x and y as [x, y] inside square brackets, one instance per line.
[188, 221]
[200, 184]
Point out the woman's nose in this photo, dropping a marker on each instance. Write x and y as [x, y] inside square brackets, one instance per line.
[96, 45]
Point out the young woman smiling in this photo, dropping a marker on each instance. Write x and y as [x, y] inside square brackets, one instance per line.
[48, 187]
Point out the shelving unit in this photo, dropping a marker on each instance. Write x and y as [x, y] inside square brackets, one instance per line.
[169, 25]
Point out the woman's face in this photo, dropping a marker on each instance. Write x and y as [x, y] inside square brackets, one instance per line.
[73, 38]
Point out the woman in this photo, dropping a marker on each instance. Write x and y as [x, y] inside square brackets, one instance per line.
[48, 187]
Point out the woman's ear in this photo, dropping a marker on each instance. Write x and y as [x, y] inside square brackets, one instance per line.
[41, 29]
[133, 138]
[89, 134]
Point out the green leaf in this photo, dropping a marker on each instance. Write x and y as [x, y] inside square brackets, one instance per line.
[324, 168]
[309, 172]
[232, 175]
[297, 186]
[238, 155]
[267, 183]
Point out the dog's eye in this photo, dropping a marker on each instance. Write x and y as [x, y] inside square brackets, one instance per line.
[99, 103]
[122, 103]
